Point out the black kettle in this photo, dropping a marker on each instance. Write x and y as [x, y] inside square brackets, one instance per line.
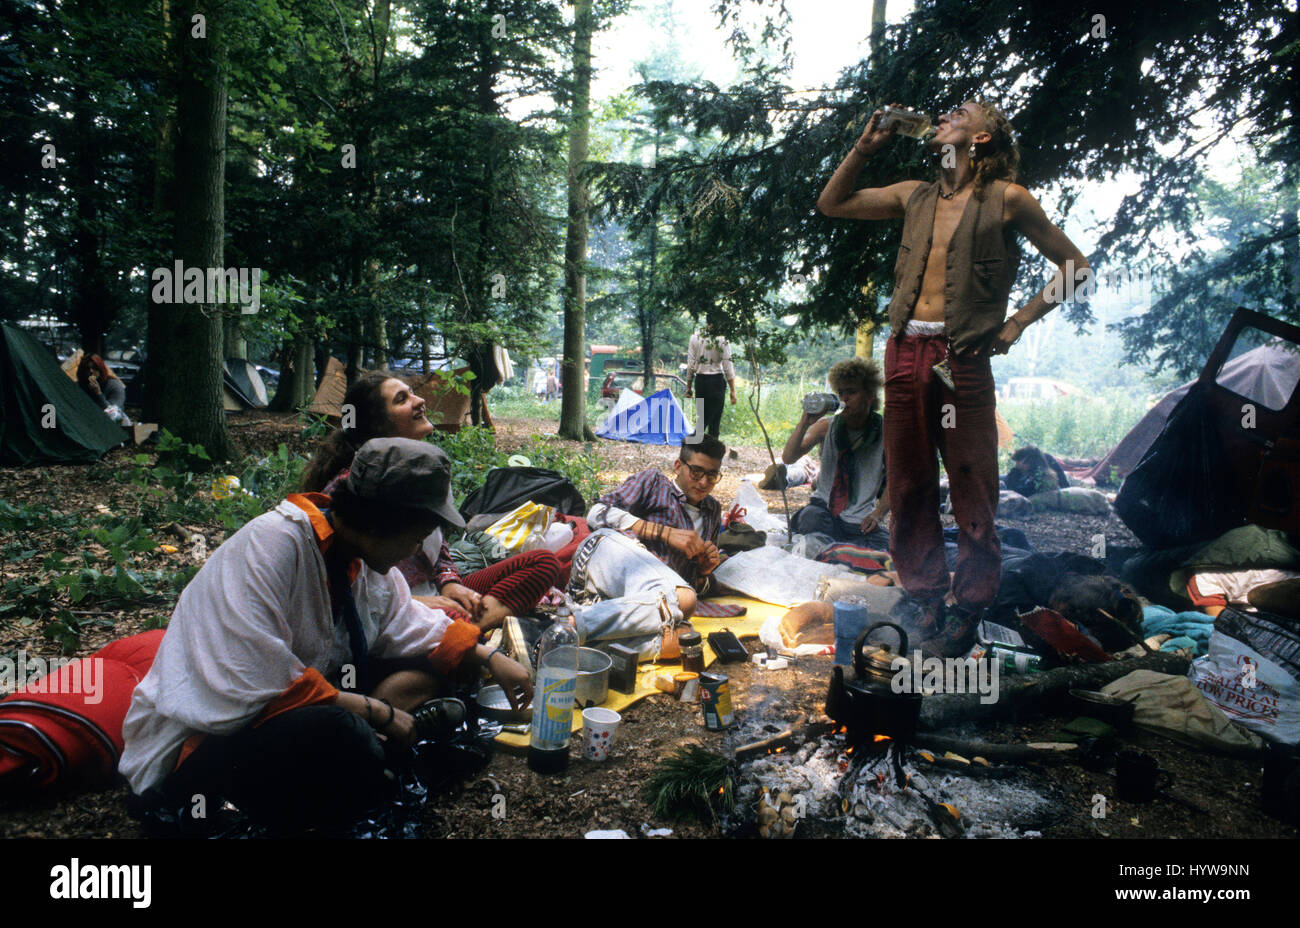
[867, 705]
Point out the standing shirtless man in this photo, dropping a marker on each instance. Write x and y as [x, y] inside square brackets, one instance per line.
[952, 279]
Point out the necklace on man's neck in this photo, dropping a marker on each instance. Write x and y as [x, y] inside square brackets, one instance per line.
[949, 196]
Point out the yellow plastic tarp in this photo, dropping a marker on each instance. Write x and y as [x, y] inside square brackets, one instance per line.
[744, 626]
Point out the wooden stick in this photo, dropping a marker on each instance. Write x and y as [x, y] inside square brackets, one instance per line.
[1029, 695]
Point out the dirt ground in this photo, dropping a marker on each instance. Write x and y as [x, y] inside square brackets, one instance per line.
[607, 795]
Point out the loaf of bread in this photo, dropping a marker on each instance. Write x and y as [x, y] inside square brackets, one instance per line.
[808, 623]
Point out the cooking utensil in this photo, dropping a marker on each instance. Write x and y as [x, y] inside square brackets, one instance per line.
[593, 677]
[492, 702]
[868, 704]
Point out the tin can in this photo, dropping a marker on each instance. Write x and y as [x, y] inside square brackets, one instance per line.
[1013, 661]
[715, 699]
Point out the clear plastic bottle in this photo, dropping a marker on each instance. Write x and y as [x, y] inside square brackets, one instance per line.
[560, 634]
[557, 678]
[909, 122]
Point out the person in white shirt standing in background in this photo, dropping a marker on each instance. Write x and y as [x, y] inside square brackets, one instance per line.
[710, 374]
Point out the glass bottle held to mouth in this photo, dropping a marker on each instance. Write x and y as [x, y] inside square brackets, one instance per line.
[907, 122]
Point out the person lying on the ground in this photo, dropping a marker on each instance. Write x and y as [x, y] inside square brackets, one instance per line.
[848, 501]
[1035, 471]
[384, 406]
[780, 475]
[652, 550]
[103, 386]
[297, 646]
[1212, 591]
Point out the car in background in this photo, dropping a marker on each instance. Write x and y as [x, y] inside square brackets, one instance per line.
[617, 381]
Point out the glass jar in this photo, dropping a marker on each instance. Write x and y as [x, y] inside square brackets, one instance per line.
[692, 646]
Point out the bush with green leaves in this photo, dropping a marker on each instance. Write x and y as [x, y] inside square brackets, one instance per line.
[474, 452]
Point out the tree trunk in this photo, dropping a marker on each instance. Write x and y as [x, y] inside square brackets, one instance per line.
[650, 308]
[573, 409]
[92, 309]
[234, 344]
[155, 319]
[296, 374]
[877, 25]
[191, 364]
[1031, 695]
[865, 337]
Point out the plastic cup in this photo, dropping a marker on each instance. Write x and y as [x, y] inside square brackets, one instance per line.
[598, 728]
[850, 620]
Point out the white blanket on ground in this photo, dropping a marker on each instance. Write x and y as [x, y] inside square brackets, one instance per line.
[776, 576]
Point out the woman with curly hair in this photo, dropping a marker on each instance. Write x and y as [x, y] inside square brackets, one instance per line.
[848, 500]
[102, 386]
[384, 406]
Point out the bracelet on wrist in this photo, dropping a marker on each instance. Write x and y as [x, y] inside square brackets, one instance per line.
[369, 712]
[392, 713]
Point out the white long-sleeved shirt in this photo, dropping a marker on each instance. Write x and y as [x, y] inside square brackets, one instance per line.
[249, 625]
[709, 356]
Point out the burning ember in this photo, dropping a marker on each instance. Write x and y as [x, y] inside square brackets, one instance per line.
[827, 781]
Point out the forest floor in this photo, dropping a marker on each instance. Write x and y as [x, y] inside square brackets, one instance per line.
[607, 795]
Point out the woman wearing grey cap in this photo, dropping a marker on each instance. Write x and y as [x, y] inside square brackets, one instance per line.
[295, 663]
[382, 405]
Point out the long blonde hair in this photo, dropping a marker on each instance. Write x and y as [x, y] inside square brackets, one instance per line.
[999, 157]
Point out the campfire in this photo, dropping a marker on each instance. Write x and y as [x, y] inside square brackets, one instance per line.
[881, 788]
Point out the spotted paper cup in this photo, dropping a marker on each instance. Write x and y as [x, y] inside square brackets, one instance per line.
[598, 728]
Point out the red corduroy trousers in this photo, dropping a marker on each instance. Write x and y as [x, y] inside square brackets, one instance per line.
[923, 416]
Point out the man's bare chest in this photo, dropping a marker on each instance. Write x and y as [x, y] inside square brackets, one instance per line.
[947, 216]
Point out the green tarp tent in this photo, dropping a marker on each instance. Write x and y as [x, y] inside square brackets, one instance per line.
[31, 432]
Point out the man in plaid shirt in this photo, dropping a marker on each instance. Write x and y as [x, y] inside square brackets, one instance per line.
[651, 550]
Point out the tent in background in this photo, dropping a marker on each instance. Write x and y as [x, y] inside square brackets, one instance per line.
[446, 408]
[242, 386]
[329, 392]
[30, 380]
[656, 419]
[1265, 374]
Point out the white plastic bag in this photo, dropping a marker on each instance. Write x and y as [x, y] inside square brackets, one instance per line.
[1251, 690]
[557, 535]
[756, 515]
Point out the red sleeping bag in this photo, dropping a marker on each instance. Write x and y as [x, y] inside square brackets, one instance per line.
[66, 727]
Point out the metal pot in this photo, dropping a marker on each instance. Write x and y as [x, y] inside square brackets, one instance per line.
[868, 705]
[593, 678]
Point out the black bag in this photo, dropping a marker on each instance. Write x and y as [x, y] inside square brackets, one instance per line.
[1183, 490]
[508, 487]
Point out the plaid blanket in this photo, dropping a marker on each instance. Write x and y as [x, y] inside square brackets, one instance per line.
[717, 610]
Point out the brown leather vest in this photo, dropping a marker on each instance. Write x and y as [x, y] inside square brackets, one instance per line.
[981, 266]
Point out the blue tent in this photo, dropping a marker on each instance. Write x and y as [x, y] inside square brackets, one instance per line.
[656, 419]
